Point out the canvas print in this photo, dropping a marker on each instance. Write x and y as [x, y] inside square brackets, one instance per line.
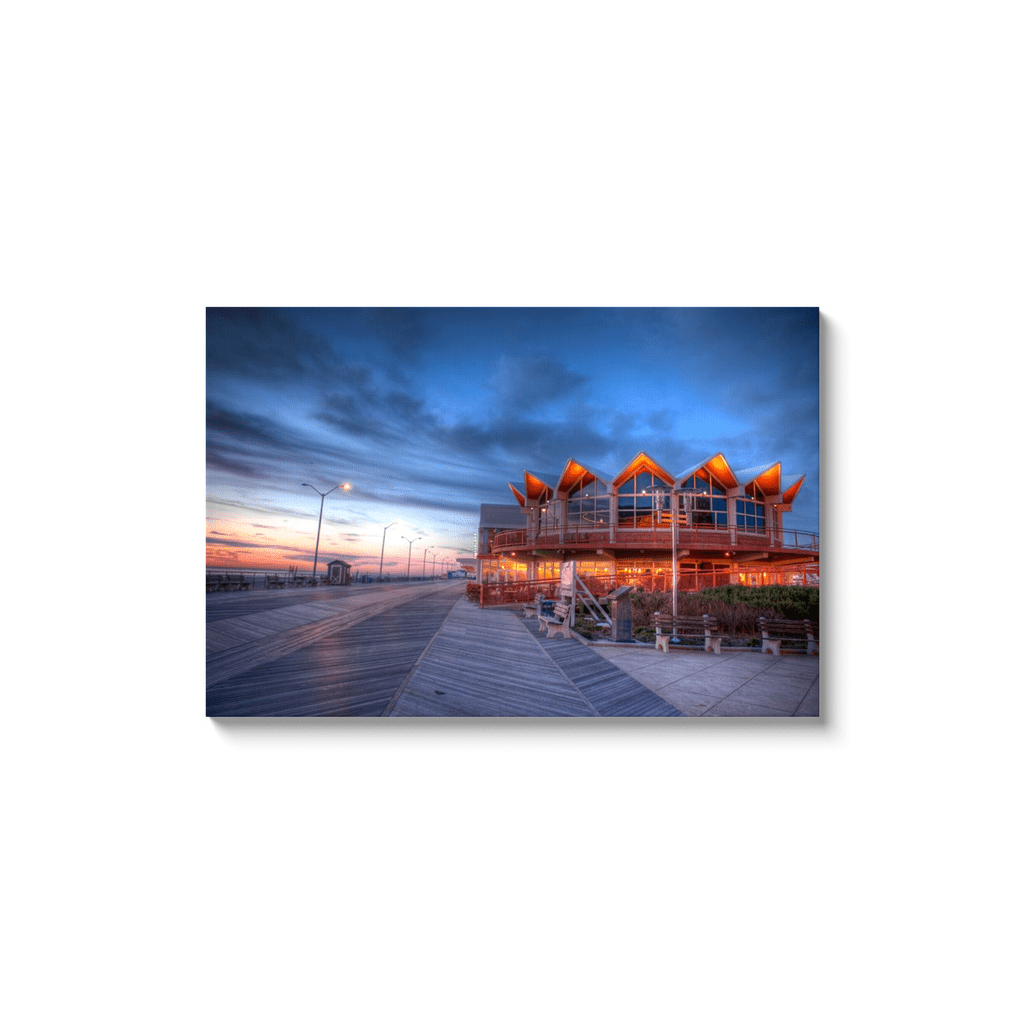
[528, 512]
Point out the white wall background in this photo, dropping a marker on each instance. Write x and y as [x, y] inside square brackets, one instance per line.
[160, 866]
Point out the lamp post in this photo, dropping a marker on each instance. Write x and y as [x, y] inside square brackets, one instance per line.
[433, 565]
[423, 570]
[409, 561]
[380, 574]
[323, 494]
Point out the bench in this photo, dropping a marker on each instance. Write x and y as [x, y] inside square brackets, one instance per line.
[534, 608]
[687, 627]
[275, 582]
[558, 623]
[774, 632]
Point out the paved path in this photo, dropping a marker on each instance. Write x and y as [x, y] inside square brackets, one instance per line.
[731, 684]
[421, 649]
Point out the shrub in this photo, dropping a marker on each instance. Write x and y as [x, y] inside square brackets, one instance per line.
[785, 602]
[645, 605]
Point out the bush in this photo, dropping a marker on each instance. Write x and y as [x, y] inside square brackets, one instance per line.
[645, 605]
[736, 608]
[785, 602]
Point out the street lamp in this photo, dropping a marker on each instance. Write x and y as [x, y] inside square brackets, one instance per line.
[380, 575]
[433, 565]
[423, 571]
[323, 494]
[409, 562]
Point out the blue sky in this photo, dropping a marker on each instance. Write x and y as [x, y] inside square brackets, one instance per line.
[427, 413]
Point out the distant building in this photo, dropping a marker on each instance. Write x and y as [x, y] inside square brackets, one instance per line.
[725, 526]
[339, 572]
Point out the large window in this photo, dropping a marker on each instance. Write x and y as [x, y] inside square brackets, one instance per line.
[704, 500]
[750, 511]
[637, 500]
[588, 508]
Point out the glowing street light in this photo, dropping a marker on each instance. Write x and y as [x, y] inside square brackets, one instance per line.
[380, 575]
[323, 494]
[409, 562]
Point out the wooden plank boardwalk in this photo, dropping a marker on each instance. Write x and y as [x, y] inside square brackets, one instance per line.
[413, 652]
[484, 663]
[353, 669]
[490, 662]
[613, 694]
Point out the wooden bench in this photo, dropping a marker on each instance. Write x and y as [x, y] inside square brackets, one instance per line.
[775, 631]
[687, 627]
[558, 624]
[275, 582]
[534, 608]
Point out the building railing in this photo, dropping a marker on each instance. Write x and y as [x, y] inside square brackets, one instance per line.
[657, 581]
[696, 534]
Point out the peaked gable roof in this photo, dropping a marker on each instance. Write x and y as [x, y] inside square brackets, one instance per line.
[718, 466]
[642, 462]
[537, 486]
[791, 487]
[768, 477]
[576, 473]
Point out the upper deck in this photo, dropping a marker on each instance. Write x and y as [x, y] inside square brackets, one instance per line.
[726, 541]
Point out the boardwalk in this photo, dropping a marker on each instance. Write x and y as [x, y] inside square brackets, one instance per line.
[423, 650]
[418, 650]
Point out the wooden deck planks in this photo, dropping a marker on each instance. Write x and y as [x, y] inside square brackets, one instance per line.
[612, 692]
[431, 654]
[354, 671]
[242, 643]
[484, 664]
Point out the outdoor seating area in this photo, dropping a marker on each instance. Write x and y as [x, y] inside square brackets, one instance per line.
[702, 628]
[216, 582]
[229, 581]
[704, 633]
[774, 633]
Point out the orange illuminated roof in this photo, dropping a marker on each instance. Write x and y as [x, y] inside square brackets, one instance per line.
[576, 473]
[718, 466]
[643, 463]
[768, 477]
[537, 487]
[791, 487]
[519, 497]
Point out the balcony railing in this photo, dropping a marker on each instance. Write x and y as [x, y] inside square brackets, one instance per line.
[661, 535]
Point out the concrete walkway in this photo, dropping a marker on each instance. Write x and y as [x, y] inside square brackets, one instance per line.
[728, 685]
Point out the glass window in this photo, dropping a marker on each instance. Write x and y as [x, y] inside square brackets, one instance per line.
[636, 508]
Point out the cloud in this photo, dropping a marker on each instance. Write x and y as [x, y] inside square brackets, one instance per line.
[265, 345]
[532, 381]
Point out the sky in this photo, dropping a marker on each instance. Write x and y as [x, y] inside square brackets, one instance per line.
[428, 413]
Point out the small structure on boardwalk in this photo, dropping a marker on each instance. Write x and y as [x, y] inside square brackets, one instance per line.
[339, 572]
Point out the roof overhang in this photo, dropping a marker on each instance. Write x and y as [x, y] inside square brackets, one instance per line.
[791, 487]
[537, 488]
[719, 468]
[641, 463]
[767, 477]
[574, 474]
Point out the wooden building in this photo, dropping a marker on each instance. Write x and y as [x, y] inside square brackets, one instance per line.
[720, 525]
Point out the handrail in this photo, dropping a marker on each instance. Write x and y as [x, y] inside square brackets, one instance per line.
[788, 539]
